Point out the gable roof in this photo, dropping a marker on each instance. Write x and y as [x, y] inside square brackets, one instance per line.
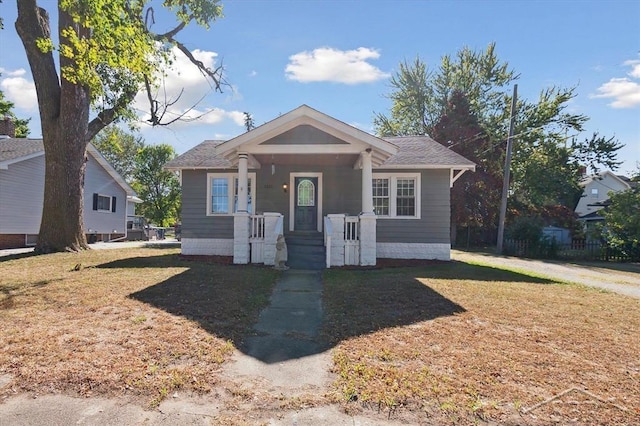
[15, 150]
[390, 152]
[599, 176]
[305, 115]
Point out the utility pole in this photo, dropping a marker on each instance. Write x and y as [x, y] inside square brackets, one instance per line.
[507, 171]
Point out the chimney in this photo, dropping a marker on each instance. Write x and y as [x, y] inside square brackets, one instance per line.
[7, 127]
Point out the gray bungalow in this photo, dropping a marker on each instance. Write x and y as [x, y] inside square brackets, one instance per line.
[107, 197]
[306, 172]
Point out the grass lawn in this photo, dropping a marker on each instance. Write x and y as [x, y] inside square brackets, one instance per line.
[138, 322]
[460, 343]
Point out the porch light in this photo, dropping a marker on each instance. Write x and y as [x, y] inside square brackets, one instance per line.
[285, 186]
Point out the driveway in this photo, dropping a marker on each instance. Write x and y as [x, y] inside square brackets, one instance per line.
[622, 279]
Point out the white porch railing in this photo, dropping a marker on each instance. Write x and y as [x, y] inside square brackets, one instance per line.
[351, 240]
[256, 238]
[263, 234]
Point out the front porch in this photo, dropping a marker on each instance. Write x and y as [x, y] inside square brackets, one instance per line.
[345, 240]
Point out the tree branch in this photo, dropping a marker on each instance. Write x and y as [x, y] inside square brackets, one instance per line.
[107, 116]
[33, 24]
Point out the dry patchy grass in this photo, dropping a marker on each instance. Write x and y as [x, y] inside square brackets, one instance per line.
[138, 322]
[462, 343]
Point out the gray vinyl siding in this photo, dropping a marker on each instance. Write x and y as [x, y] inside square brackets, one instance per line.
[97, 180]
[435, 216]
[341, 193]
[341, 189]
[21, 197]
[195, 222]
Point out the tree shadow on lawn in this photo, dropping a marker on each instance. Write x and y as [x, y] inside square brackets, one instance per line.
[226, 300]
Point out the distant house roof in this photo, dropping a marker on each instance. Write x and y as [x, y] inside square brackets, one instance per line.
[15, 150]
[12, 149]
[599, 176]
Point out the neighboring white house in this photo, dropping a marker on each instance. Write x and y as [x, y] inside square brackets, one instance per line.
[595, 194]
[108, 199]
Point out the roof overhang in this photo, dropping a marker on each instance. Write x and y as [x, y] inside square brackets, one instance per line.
[4, 165]
[356, 140]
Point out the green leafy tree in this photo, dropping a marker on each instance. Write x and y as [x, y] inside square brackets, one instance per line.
[107, 52]
[476, 196]
[6, 110]
[120, 149]
[546, 165]
[622, 222]
[159, 189]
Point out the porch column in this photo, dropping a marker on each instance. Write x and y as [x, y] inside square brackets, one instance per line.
[241, 221]
[367, 182]
[367, 217]
[243, 181]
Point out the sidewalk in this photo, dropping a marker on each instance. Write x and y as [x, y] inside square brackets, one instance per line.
[168, 242]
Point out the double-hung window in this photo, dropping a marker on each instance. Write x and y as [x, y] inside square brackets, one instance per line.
[222, 193]
[396, 195]
[104, 203]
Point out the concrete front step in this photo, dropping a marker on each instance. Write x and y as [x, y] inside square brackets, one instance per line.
[306, 250]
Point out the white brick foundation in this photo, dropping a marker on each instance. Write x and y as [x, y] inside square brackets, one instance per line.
[414, 251]
[207, 246]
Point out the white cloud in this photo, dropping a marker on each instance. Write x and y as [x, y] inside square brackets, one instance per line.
[635, 68]
[624, 91]
[186, 89]
[253, 73]
[20, 91]
[16, 73]
[339, 66]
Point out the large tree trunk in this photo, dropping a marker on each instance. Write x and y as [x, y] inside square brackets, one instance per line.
[64, 114]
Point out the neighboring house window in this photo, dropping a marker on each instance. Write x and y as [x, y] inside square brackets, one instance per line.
[221, 199]
[396, 195]
[594, 193]
[104, 203]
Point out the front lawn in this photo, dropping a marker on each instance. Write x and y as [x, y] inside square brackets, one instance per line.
[461, 343]
[139, 322]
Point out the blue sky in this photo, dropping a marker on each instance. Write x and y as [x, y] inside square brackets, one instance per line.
[337, 57]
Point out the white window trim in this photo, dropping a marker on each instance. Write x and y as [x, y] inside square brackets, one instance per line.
[393, 193]
[98, 209]
[231, 195]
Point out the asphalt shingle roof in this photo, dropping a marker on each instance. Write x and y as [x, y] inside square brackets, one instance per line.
[423, 151]
[418, 151]
[200, 156]
[13, 148]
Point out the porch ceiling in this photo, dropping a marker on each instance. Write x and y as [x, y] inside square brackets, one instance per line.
[347, 160]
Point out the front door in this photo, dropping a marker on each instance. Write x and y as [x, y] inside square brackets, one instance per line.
[306, 203]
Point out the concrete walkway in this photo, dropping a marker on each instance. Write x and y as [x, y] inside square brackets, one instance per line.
[626, 283]
[286, 351]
